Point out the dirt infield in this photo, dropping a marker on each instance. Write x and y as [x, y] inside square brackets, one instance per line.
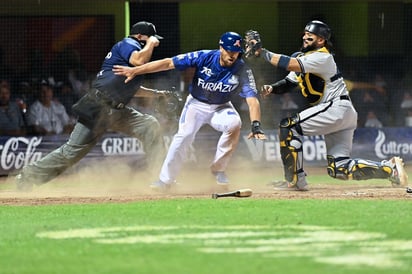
[97, 186]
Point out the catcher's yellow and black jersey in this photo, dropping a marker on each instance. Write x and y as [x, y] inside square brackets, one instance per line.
[319, 80]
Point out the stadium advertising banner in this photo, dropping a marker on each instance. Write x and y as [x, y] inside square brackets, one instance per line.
[373, 144]
[368, 143]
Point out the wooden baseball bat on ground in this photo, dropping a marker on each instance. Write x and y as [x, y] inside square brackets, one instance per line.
[241, 193]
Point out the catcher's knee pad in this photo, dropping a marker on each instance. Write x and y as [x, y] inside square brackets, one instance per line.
[290, 146]
[359, 169]
[338, 167]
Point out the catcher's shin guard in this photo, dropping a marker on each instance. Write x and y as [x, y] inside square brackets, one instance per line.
[357, 169]
[338, 167]
[290, 149]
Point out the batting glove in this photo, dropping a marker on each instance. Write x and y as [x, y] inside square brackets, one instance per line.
[257, 131]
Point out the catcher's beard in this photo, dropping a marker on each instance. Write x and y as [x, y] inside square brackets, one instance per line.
[308, 48]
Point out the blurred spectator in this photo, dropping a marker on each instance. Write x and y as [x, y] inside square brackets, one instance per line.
[4, 83]
[368, 93]
[408, 118]
[380, 81]
[372, 120]
[406, 107]
[46, 115]
[65, 95]
[371, 102]
[36, 69]
[355, 85]
[6, 71]
[26, 92]
[68, 68]
[287, 105]
[21, 103]
[407, 100]
[11, 117]
[369, 97]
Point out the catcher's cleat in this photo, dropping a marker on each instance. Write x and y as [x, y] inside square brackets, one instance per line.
[301, 185]
[160, 186]
[398, 178]
[22, 184]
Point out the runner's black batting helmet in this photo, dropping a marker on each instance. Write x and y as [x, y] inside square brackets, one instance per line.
[319, 28]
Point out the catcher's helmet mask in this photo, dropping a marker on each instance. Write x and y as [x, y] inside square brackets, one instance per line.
[322, 30]
[319, 28]
[231, 41]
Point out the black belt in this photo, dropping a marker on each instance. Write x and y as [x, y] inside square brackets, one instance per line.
[103, 97]
[344, 97]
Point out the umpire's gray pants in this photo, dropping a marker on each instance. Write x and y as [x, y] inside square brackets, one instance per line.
[82, 139]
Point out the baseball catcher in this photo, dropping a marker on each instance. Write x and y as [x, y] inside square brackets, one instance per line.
[330, 114]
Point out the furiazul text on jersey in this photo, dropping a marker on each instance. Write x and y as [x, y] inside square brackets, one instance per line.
[219, 86]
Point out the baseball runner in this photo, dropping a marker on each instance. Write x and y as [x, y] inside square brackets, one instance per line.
[331, 112]
[218, 75]
[104, 107]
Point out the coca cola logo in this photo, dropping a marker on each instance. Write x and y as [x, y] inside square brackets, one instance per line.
[19, 151]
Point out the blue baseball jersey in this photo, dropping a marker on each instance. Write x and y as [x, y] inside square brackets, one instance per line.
[113, 85]
[212, 83]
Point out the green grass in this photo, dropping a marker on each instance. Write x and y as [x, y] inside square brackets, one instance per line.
[209, 236]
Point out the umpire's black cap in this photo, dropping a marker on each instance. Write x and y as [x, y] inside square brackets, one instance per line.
[145, 28]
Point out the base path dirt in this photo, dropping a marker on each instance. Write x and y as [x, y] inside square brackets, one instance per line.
[124, 185]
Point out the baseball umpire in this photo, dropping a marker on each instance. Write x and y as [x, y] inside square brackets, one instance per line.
[104, 107]
[331, 112]
[219, 74]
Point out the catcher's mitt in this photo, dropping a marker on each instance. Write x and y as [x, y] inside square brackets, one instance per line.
[252, 42]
